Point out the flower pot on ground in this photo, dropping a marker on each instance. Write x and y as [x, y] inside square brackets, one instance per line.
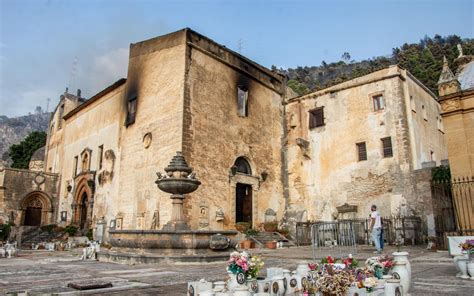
[271, 245]
[246, 244]
[270, 226]
[242, 226]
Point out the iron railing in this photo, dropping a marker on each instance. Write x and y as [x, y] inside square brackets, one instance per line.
[406, 230]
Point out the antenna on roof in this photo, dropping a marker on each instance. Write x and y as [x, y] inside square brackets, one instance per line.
[47, 104]
[240, 45]
[72, 77]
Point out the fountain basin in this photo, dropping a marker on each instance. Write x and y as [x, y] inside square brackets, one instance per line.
[178, 185]
[155, 246]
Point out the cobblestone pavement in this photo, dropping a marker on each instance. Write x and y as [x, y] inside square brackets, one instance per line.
[41, 272]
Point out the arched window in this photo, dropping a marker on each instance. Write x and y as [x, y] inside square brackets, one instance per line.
[243, 166]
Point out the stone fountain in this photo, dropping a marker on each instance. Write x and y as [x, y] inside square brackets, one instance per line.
[176, 242]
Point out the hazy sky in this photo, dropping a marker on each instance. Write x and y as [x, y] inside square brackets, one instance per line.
[42, 40]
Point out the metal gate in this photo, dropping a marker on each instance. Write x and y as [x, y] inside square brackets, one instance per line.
[333, 238]
[453, 207]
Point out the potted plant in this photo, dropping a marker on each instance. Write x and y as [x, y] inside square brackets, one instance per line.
[270, 226]
[284, 231]
[242, 226]
[247, 243]
[271, 245]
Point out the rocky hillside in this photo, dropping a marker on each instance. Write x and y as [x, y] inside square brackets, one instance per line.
[13, 130]
[423, 59]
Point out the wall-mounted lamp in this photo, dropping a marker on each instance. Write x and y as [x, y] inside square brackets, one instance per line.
[264, 176]
[233, 170]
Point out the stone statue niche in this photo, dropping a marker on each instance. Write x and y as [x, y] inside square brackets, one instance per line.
[346, 212]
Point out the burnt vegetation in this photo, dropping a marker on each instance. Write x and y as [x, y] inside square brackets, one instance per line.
[423, 59]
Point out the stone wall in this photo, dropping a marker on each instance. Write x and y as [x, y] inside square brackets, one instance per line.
[156, 77]
[323, 167]
[17, 185]
[215, 135]
[85, 130]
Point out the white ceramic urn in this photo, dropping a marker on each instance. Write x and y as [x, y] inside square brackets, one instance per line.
[402, 256]
[400, 271]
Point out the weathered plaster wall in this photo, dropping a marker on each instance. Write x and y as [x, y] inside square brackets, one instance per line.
[327, 173]
[16, 184]
[458, 119]
[427, 131]
[90, 128]
[214, 136]
[156, 77]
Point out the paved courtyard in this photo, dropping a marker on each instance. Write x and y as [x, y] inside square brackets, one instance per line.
[42, 272]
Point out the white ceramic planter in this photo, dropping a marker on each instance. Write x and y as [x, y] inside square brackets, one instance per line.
[402, 256]
[470, 269]
[462, 265]
[401, 270]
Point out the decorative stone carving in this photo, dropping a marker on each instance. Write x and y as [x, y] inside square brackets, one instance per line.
[203, 216]
[219, 242]
[346, 211]
[155, 222]
[219, 215]
[450, 105]
[147, 139]
[270, 215]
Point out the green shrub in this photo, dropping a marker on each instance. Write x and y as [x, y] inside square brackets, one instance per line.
[251, 232]
[71, 230]
[89, 234]
[5, 231]
[48, 228]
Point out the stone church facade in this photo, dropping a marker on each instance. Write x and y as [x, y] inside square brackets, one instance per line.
[261, 153]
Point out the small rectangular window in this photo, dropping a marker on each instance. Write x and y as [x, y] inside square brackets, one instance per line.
[100, 155]
[74, 172]
[412, 104]
[361, 151]
[242, 101]
[423, 111]
[316, 117]
[387, 147]
[131, 111]
[379, 103]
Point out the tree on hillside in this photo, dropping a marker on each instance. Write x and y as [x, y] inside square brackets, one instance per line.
[21, 153]
[346, 57]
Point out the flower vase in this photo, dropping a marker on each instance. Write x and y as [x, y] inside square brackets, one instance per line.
[252, 284]
[402, 256]
[470, 269]
[232, 281]
[400, 271]
[462, 265]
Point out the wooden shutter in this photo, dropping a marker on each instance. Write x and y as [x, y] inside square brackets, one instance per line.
[362, 151]
[387, 147]
[316, 117]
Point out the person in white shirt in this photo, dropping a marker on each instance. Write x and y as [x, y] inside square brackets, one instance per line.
[375, 226]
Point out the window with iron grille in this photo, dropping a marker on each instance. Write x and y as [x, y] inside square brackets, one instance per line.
[131, 111]
[316, 117]
[379, 103]
[361, 151]
[387, 147]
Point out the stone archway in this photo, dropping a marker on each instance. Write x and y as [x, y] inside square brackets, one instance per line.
[82, 205]
[36, 209]
[243, 194]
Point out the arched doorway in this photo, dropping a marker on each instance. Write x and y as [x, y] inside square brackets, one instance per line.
[36, 209]
[83, 217]
[243, 193]
[82, 205]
